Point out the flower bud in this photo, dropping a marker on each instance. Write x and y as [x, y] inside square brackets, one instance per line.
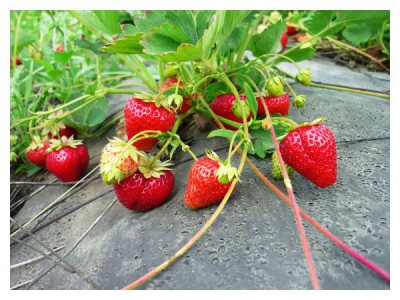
[299, 101]
[304, 77]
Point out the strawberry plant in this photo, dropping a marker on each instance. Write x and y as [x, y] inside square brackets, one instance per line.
[223, 65]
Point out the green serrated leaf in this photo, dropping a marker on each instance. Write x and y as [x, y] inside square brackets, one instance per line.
[221, 133]
[251, 99]
[106, 21]
[268, 41]
[320, 20]
[202, 20]
[184, 19]
[85, 44]
[224, 23]
[215, 89]
[129, 44]
[89, 116]
[363, 16]
[298, 55]
[357, 34]
[144, 23]
[62, 57]
[54, 73]
[166, 38]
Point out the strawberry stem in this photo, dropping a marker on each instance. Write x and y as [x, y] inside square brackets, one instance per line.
[295, 208]
[369, 264]
[282, 118]
[194, 239]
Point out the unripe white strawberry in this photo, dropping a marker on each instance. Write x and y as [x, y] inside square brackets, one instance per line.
[118, 161]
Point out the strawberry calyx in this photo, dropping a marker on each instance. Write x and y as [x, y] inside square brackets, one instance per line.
[57, 144]
[226, 173]
[53, 123]
[212, 155]
[315, 122]
[150, 168]
[37, 142]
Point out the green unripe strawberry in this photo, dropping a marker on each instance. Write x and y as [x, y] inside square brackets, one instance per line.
[118, 161]
[237, 110]
[170, 71]
[304, 77]
[275, 86]
[276, 167]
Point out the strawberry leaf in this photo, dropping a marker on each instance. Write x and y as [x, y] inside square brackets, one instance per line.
[89, 116]
[225, 22]
[221, 133]
[215, 89]
[267, 41]
[107, 21]
[62, 57]
[298, 55]
[129, 44]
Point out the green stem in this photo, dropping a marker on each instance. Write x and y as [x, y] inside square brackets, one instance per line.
[225, 78]
[286, 120]
[222, 119]
[164, 147]
[244, 43]
[16, 38]
[197, 236]
[161, 71]
[339, 88]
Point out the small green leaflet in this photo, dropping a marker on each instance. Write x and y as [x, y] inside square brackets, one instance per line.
[62, 57]
[221, 133]
[298, 55]
[129, 44]
[215, 89]
[107, 21]
[251, 99]
[263, 143]
[268, 41]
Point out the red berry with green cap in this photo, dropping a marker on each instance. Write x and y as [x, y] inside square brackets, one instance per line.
[311, 151]
[68, 159]
[147, 188]
[37, 152]
[203, 185]
[141, 115]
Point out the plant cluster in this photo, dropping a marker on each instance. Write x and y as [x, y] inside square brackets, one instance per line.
[223, 65]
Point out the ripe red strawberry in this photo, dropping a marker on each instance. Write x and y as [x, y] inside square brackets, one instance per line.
[284, 40]
[291, 30]
[67, 131]
[147, 190]
[141, 115]
[69, 159]
[203, 188]
[36, 152]
[18, 62]
[275, 105]
[60, 48]
[311, 151]
[223, 106]
[185, 104]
